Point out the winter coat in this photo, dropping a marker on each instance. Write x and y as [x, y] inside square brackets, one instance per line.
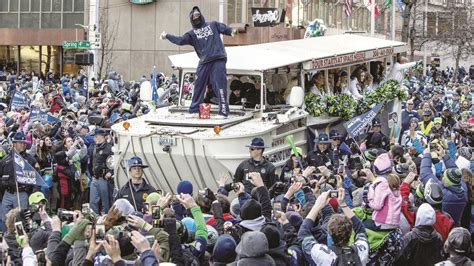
[253, 250]
[205, 38]
[444, 223]
[422, 246]
[407, 116]
[454, 196]
[279, 255]
[386, 203]
[264, 167]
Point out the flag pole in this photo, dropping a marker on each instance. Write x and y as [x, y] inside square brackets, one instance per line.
[17, 194]
[372, 19]
[393, 20]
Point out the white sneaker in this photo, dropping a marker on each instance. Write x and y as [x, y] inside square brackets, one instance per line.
[220, 117]
[191, 115]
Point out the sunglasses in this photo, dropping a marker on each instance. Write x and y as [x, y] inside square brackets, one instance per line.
[409, 104]
[254, 149]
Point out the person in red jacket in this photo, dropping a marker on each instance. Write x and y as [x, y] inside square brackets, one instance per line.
[433, 194]
[56, 103]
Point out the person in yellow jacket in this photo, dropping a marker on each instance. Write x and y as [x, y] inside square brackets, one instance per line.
[427, 123]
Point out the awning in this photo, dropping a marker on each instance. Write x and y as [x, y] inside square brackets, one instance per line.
[261, 57]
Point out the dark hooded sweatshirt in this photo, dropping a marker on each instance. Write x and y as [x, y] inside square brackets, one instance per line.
[204, 37]
[423, 246]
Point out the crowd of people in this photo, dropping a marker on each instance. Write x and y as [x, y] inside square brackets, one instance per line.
[399, 199]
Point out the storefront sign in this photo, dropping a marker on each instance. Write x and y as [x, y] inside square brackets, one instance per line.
[351, 58]
[267, 17]
[142, 2]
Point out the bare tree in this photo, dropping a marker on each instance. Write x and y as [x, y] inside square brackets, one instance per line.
[458, 37]
[108, 30]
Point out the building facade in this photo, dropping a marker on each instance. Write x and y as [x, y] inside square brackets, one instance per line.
[33, 32]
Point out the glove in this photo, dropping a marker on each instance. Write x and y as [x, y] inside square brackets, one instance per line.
[77, 232]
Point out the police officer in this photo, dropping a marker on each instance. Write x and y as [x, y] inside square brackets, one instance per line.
[136, 190]
[102, 182]
[376, 139]
[8, 178]
[256, 163]
[322, 154]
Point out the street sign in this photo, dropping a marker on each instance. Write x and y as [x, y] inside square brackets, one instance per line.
[76, 44]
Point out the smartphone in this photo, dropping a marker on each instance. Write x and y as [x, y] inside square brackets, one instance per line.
[85, 208]
[277, 206]
[145, 207]
[150, 239]
[155, 212]
[333, 193]
[19, 228]
[99, 233]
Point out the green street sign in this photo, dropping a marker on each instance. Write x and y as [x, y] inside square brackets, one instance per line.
[76, 44]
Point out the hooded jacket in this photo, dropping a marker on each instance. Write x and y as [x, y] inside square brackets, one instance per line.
[454, 196]
[253, 250]
[386, 203]
[423, 245]
[205, 38]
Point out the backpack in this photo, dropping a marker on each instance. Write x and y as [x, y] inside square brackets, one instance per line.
[346, 256]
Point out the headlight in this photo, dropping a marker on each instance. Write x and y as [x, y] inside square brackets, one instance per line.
[110, 162]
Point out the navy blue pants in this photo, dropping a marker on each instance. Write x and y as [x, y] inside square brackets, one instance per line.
[215, 74]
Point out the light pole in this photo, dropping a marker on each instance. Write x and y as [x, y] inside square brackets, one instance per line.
[425, 25]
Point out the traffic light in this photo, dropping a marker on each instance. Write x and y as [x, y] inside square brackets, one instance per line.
[84, 59]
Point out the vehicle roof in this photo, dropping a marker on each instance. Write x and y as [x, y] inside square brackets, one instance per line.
[261, 57]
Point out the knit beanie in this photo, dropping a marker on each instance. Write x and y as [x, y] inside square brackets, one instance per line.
[272, 234]
[452, 176]
[294, 218]
[153, 198]
[401, 170]
[383, 164]
[251, 210]
[224, 250]
[465, 152]
[185, 187]
[371, 154]
[235, 207]
[189, 224]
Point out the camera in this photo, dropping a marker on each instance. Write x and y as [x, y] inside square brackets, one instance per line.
[235, 186]
[66, 216]
[279, 188]
[150, 239]
[85, 208]
[334, 194]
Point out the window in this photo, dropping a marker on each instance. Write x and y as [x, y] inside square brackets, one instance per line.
[56, 5]
[70, 19]
[14, 5]
[29, 58]
[8, 58]
[49, 59]
[46, 5]
[50, 20]
[35, 5]
[29, 20]
[67, 5]
[78, 5]
[25, 5]
[3, 6]
[9, 20]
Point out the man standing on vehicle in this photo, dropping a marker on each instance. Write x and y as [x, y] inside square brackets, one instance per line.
[102, 176]
[136, 190]
[322, 154]
[258, 164]
[206, 40]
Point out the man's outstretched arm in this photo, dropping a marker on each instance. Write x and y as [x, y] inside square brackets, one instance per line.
[178, 40]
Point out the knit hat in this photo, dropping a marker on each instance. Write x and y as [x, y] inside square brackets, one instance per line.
[459, 241]
[212, 236]
[189, 224]
[371, 154]
[153, 198]
[452, 176]
[235, 207]
[253, 242]
[438, 120]
[433, 193]
[224, 250]
[273, 235]
[124, 207]
[250, 210]
[185, 187]
[425, 215]
[294, 218]
[401, 170]
[465, 152]
[383, 164]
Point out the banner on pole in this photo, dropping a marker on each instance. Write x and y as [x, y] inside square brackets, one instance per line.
[25, 173]
[358, 125]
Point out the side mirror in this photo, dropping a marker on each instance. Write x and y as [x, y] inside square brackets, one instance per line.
[297, 97]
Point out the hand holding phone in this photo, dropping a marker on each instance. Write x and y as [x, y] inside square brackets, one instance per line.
[99, 233]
